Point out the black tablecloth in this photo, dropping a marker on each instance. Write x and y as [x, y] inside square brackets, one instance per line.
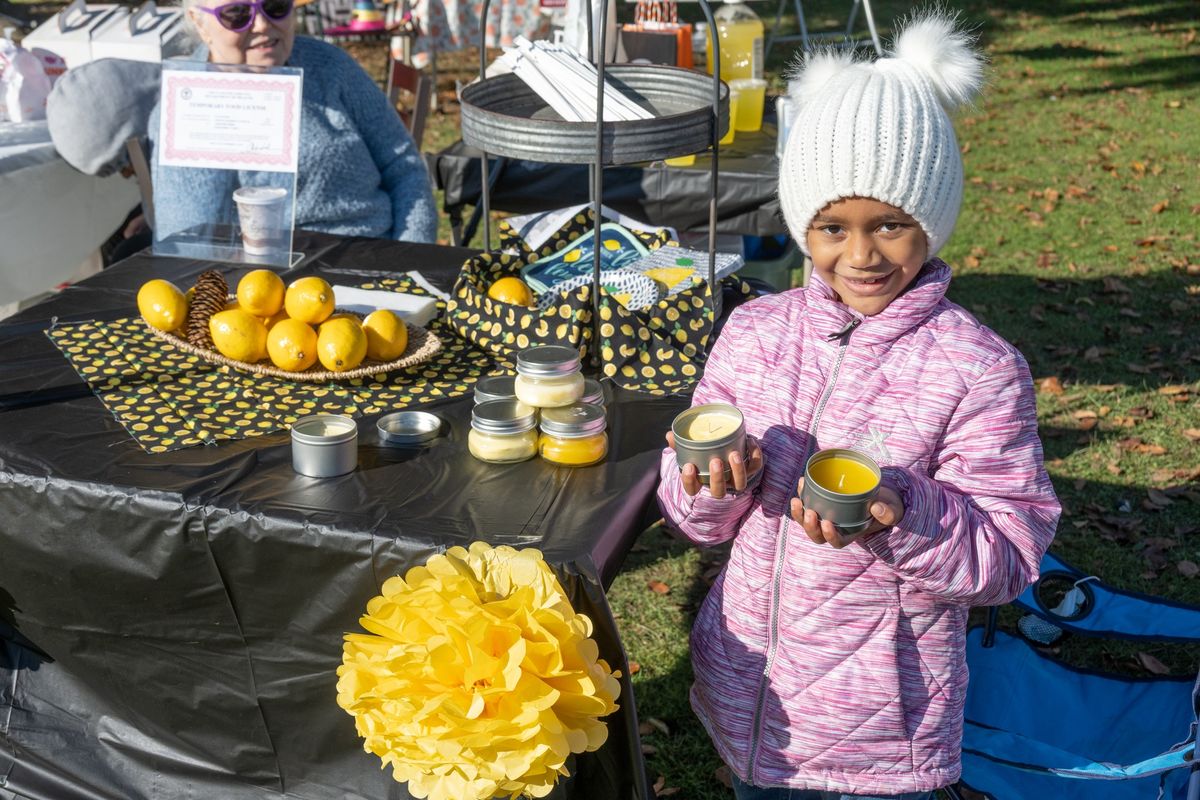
[747, 202]
[170, 625]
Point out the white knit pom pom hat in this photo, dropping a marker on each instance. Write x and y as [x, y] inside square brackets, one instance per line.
[881, 129]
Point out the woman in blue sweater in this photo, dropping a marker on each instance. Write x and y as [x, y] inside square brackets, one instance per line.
[359, 172]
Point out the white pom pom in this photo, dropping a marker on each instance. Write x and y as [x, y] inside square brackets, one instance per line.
[945, 54]
[811, 74]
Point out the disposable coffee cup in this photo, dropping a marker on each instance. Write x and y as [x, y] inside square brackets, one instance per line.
[261, 218]
[704, 431]
[840, 485]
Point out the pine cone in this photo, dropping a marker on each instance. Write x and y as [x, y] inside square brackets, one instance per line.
[209, 296]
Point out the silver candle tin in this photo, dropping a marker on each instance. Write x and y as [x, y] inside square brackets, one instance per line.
[850, 513]
[688, 451]
[324, 445]
[495, 387]
[408, 427]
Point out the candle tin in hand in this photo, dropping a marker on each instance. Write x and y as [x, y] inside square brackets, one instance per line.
[839, 485]
[704, 431]
[324, 445]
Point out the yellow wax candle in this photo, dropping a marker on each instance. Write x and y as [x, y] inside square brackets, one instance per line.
[843, 475]
[709, 426]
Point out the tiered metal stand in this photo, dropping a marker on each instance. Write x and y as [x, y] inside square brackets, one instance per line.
[505, 117]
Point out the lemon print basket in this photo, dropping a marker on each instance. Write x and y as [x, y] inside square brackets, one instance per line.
[647, 339]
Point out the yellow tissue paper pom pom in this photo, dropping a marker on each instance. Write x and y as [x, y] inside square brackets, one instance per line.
[477, 679]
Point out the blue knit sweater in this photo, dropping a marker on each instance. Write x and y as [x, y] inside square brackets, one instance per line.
[359, 173]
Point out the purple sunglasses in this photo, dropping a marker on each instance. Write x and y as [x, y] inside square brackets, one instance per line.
[238, 16]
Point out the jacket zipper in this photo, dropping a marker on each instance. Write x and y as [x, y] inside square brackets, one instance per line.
[773, 617]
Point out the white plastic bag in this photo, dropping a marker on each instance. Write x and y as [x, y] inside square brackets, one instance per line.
[24, 85]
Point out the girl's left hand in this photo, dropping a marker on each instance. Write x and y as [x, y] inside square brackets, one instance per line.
[887, 510]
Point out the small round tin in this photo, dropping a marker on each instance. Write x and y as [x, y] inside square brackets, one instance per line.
[701, 451]
[849, 512]
[495, 387]
[593, 393]
[408, 427]
[324, 445]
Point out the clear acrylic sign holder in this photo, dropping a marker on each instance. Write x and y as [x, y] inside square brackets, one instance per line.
[225, 163]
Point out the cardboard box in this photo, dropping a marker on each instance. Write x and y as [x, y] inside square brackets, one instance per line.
[148, 34]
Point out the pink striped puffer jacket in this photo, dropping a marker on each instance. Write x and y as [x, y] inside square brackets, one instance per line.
[844, 670]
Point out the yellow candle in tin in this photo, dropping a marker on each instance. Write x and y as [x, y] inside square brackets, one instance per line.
[711, 425]
[843, 475]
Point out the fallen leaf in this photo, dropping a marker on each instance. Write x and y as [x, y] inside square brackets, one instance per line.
[1085, 414]
[649, 750]
[721, 774]
[634, 668]
[1192, 433]
[659, 725]
[971, 262]
[1113, 468]
[1160, 206]
[1152, 664]
[1158, 499]
[1111, 248]
[1174, 389]
[1188, 569]
[661, 781]
[1051, 385]
[667, 792]
[645, 728]
[658, 587]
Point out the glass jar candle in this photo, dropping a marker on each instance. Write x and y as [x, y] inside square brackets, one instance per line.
[593, 393]
[503, 431]
[573, 436]
[548, 377]
[495, 387]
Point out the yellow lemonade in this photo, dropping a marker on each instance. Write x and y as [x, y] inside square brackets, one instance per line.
[741, 38]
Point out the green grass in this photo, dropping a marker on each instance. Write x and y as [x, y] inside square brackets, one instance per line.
[1077, 242]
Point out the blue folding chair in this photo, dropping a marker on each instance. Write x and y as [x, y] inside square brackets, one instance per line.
[1037, 728]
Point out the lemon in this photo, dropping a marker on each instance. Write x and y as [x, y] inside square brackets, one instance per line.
[292, 345]
[275, 319]
[162, 305]
[239, 335]
[309, 300]
[511, 290]
[387, 336]
[341, 344]
[261, 293]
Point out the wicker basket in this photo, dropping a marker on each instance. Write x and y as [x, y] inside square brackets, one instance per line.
[423, 345]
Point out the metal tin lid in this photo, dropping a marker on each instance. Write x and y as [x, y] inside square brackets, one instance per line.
[593, 392]
[495, 387]
[324, 429]
[547, 361]
[408, 427]
[503, 416]
[572, 422]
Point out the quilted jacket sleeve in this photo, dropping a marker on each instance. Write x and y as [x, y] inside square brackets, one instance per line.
[976, 530]
[703, 519]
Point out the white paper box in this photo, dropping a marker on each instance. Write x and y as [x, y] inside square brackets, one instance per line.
[150, 33]
[68, 34]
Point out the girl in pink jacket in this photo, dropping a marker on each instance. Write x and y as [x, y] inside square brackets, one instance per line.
[829, 665]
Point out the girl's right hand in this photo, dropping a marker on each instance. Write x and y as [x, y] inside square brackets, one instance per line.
[741, 468]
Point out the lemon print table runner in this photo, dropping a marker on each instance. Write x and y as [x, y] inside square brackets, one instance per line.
[657, 348]
[167, 399]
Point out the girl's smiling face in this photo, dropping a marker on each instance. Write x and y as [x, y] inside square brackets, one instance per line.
[867, 251]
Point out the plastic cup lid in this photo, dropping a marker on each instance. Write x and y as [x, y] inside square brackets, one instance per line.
[259, 195]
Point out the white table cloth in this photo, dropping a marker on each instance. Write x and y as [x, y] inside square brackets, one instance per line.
[52, 217]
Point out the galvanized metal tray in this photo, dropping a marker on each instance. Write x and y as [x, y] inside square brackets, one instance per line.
[503, 116]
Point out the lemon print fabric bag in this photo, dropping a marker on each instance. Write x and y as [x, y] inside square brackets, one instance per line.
[652, 336]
